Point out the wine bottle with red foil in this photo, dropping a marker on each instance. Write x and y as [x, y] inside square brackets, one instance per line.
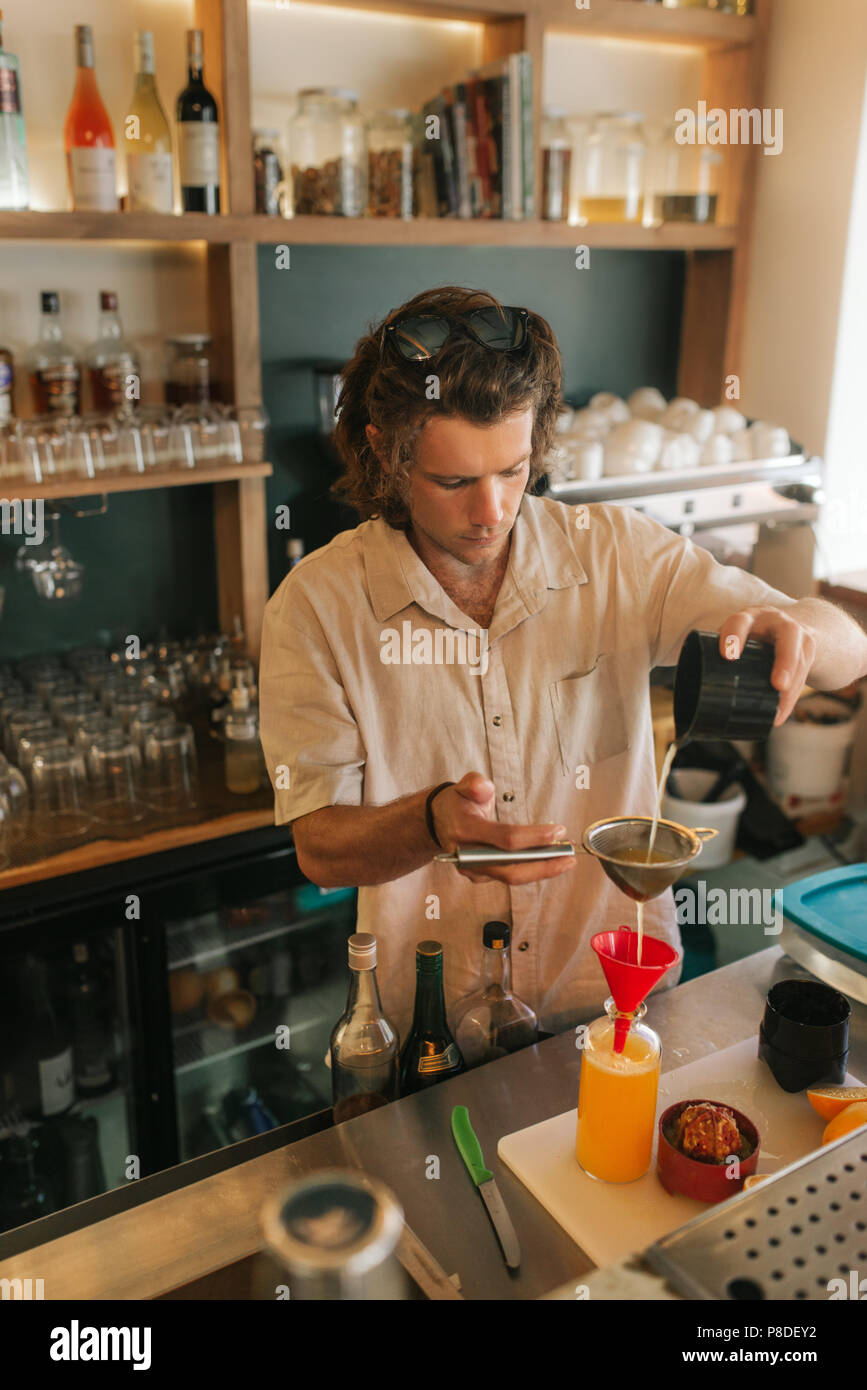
[112, 362]
[88, 137]
[198, 136]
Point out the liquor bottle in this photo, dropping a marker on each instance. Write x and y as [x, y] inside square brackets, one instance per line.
[492, 1021]
[26, 1194]
[111, 361]
[430, 1053]
[44, 1082]
[88, 137]
[198, 136]
[148, 138]
[14, 178]
[243, 758]
[7, 386]
[55, 375]
[364, 1044]
[92, 1045]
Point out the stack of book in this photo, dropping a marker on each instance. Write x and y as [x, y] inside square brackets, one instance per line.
[475, 144]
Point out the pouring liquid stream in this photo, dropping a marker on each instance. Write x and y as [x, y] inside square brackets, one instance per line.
[670, 753]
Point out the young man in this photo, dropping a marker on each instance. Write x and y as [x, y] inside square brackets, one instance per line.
[472, 634]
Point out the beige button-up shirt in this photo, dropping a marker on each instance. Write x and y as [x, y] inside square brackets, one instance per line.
[370, 690]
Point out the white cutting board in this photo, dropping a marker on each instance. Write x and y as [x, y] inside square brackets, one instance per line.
[611, 1220]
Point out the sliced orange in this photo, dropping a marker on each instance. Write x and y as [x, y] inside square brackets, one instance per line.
[828, 1101]
[754, 1179]
[850, 1118]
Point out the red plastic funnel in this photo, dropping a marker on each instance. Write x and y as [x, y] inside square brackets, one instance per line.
[628, 981]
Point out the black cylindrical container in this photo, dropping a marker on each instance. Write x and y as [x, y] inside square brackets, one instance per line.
[804, 1034]
[715, 698]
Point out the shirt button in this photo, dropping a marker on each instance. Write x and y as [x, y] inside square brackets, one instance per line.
[508, 796]
[524, 946]
[497, 719]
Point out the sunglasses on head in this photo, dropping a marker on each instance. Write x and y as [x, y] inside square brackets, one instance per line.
[418, 337]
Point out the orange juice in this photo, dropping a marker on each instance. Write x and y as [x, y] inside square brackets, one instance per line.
[617, 1103]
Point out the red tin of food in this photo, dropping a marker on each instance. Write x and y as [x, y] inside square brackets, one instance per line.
[690, 1177]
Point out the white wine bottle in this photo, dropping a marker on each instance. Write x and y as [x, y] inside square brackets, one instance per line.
[148, 138]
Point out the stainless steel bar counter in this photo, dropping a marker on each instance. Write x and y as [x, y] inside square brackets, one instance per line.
[200, 1238]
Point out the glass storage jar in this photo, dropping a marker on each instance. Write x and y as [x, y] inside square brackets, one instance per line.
[682, 183]
[189, 376]
[328, 154]
[612, 181]
[390, 162]
[556, 165]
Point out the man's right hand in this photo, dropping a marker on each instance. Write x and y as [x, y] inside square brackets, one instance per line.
[464, 814]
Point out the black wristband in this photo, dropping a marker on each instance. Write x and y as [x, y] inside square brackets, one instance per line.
[428, 810]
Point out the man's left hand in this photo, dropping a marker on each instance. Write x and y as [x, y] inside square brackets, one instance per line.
[794, 644]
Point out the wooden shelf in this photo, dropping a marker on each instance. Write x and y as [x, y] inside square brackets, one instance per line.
[452, 231]
[624, 19]
[645, 23]
[132, 482]
[96, 853]
[360, 231]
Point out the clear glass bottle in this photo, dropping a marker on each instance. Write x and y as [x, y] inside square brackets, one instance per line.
[430, 1053]
[390, 165]
[14, 176]
[147, 138]
[55, 374]
[243, 755]
[88, 137]
[682, 180]
[612, 177]
[617, 1095]
[492, 1021]
[112, 361]
[328, 154]
[364, 1044]
[556, 165]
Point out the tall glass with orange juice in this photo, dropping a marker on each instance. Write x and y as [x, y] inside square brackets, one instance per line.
[617, 1097]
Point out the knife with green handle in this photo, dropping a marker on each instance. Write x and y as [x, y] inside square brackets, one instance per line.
[471, 1152]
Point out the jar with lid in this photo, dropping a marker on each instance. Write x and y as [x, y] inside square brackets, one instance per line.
[328, 154]
[556, 165]
[390, 165]
[612, 177]
[189, 376]
[682, 182]
[267, 172]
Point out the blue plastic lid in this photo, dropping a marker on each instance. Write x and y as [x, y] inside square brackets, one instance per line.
[832, 906]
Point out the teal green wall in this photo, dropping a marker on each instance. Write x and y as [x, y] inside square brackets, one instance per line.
[618, 324]
[150, 561]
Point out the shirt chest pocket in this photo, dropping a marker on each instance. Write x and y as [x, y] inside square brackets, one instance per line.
[589, 716]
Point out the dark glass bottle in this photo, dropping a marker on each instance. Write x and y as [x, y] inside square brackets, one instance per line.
[430, 1053]
[364, 1044]
[26, 1194]
[92, 1045]
[493, 1021]
[198, 136]
[42, 1066]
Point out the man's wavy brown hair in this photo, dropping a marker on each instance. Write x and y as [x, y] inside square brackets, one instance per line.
[476, 383]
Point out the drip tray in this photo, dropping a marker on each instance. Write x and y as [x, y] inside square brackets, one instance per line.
[787, 1238]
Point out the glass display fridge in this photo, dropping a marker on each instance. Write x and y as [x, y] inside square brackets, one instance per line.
[159, 1009]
